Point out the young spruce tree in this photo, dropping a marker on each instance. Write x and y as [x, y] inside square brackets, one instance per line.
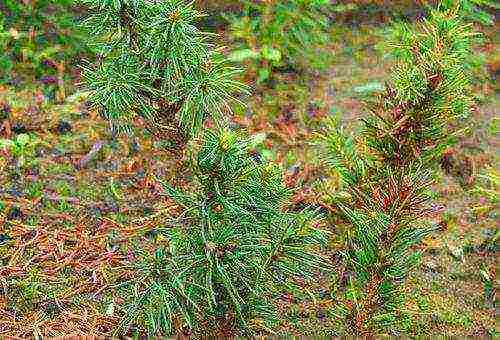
[234, 237]
[153, 62]
[387, 169]
[232, 242]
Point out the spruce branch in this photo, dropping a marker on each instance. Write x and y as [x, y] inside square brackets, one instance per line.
[156, 64]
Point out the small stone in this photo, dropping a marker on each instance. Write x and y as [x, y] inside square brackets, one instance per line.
[432, 265]
[280, 278]
[51, 309]
[147, 210]
[456, 252]
[63, 127]
[134, 147]
[14, 213]
[14, 191]
[234, 125]
[40, 152]
[320, 314]
[248, 113]
[294, 169]
[95, 211]
[324, 293]
[55, 152]
[18, 128]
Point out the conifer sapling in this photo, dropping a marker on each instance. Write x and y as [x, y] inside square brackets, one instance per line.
[233, 240]
[387, 170]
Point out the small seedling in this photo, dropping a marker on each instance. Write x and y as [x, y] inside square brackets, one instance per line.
[23, 147]
[277, 34]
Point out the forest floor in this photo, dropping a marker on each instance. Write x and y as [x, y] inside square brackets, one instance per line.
[75, 205]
